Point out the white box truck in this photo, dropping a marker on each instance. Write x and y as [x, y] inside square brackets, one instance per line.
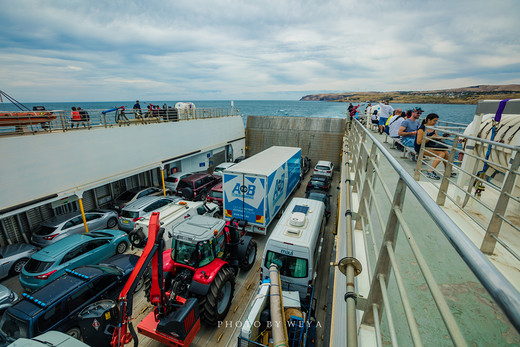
[256, 188]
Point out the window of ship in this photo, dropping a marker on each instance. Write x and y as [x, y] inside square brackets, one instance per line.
[288, 265]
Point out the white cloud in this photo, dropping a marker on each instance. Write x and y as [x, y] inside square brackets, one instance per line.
[232, 49]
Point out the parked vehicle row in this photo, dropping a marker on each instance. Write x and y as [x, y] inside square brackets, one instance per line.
[59, 227]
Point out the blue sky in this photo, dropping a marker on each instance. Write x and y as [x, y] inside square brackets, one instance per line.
[69, 50]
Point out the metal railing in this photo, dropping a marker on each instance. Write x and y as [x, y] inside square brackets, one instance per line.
[62, 120]
[397, 220]
[490, 200]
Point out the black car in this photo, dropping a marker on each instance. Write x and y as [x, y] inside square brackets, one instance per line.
[56, 306]
[322, 196]
[197, 186]
[318, 182]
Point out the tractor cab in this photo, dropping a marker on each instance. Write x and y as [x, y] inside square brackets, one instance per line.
[197, 241]
[195, 254]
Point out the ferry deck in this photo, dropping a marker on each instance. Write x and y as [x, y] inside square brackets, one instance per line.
[411, 251]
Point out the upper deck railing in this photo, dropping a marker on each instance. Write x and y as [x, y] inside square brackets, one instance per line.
[415, 255]
[63, 120]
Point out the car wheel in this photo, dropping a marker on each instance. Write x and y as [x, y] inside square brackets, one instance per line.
[137, 238]
[139, 285]
[121, 247]
[112, 222]
[203, 195]
[75, 333]
[18, 266]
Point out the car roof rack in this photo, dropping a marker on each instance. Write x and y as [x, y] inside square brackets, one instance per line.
[34, 300]
[76, 274]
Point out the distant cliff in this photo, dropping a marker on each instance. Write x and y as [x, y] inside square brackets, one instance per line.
[467, 95]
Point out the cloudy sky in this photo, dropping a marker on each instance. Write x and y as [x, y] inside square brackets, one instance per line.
[70, 50]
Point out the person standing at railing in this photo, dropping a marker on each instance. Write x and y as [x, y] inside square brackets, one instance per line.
[431, 148]
[384, 114]
[137, 110]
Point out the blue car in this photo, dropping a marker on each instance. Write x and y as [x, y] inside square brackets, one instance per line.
[70, 252]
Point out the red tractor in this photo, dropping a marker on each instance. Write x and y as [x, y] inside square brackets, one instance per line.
[205, 256]
[174, 320]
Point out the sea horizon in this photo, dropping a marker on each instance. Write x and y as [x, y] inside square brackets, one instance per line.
[462, 113]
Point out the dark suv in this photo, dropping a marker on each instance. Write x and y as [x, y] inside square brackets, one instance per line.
[56, 306]
[197, 186]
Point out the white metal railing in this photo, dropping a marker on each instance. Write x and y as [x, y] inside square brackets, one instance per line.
[395, 234]
[101, 118]
[490, 202]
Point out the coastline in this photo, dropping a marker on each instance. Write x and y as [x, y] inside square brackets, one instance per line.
[467, 95]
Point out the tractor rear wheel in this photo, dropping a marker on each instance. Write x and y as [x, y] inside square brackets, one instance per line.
[215, 305]
[248, 261]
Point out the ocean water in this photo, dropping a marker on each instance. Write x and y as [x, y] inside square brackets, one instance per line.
[447, 112]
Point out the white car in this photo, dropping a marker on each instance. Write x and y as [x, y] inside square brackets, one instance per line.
[221, 167]
[324, 168]
[172, 181]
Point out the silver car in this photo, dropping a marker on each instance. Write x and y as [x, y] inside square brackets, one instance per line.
[7, 297]
[13, 258]
[133, 194]
[60, 227]
[142, 207]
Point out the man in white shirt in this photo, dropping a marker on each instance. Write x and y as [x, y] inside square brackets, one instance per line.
[384, 114]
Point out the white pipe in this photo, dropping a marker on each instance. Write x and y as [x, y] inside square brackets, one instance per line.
[277, 315]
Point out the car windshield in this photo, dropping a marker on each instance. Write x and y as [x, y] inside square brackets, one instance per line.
[289, 266]
[184, 252]
[13, 327]
[36, 266]
[215, 194]
[128, 195]
[129, 214]
[171, 179]
[322, 167]
[44, 230]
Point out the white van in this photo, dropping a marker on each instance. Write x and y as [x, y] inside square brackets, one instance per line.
[170, 217]
[295, 245]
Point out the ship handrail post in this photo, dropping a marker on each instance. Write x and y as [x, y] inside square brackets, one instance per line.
[490, 239]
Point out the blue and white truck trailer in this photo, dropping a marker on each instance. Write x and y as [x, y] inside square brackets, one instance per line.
[256, 188]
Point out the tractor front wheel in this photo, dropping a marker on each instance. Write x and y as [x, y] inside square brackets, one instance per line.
[215, 305]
